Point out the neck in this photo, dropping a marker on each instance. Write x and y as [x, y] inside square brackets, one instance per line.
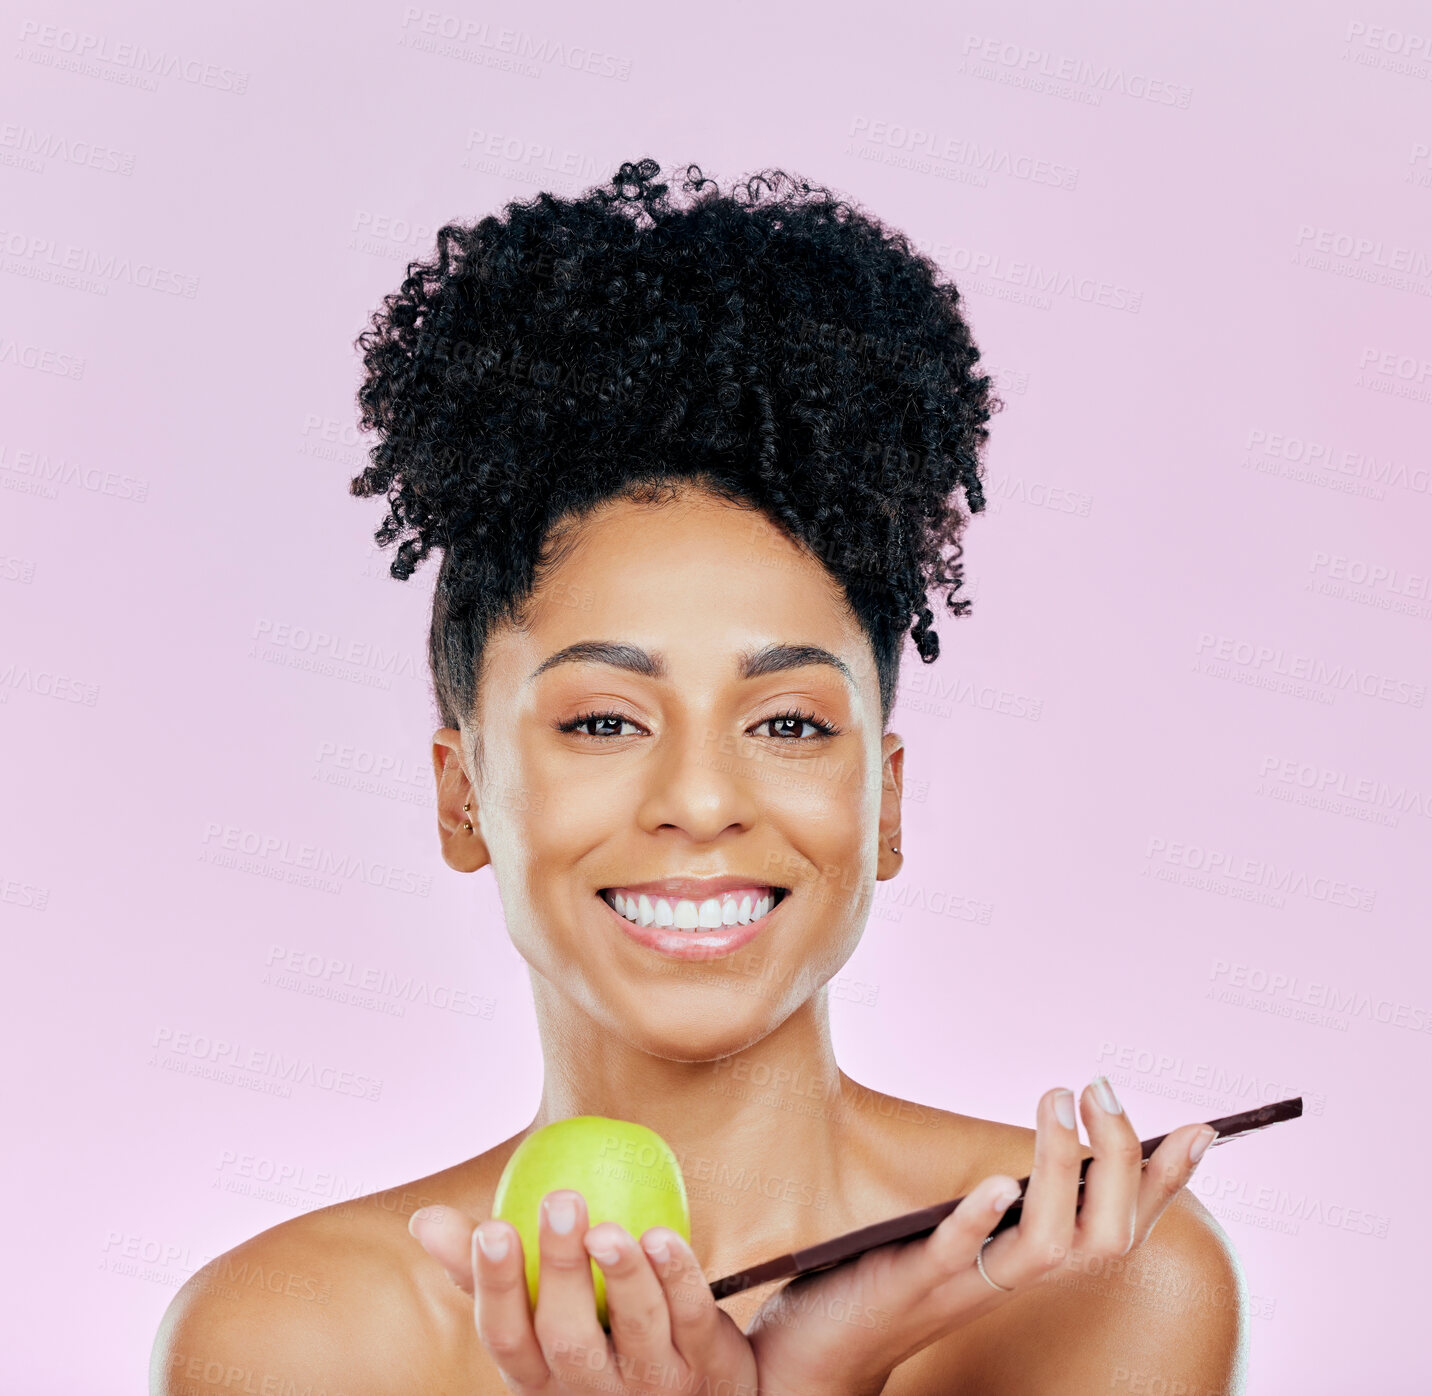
[758, 1133]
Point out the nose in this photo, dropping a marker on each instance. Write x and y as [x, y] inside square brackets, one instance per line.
[698, 784]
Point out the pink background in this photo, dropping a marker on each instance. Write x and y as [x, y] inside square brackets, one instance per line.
[1195, 247]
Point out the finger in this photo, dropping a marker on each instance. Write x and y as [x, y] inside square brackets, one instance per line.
[566, 1319]
[1108, 1214]
[1169, 1168]
[1045, 1232]
[956, 1242]
[696, 1323]
[446, 1234]
[636, 1307]
[502, 1306]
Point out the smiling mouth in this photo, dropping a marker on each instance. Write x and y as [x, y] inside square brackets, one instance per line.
[735, 908]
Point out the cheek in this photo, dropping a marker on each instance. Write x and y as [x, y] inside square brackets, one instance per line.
[830, 810]
[553, 814]
[549, 847]
[830, 855]
[573, 817]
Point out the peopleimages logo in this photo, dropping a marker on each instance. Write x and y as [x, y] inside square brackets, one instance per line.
[1327, 459]
[298, 968]
[452, 36]
[1272, 661]
[1219, 863]
[1292, 990]
[965, 151]
[248, 850]
[46, 260]
[1172, 1069]
[30, 148]
[938, 694]
[1330, 783]
[45, 683]
[254, 1068]
[39, 473]
[1026, 66]
[1015, 273]
[1359, 248]
[328, 653]
[42, 358]
[491, 147]
[59, 46]
[25, 894]
[1277, 1209]
[1413, 49]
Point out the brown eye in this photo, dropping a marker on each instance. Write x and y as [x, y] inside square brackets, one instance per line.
[799, 719]
[589, 720]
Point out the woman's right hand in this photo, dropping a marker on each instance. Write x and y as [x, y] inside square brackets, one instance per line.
[667, 1335]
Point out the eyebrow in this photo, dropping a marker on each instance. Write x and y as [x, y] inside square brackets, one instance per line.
[751, 663]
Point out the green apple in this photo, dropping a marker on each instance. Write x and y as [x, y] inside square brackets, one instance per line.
[626, 1172]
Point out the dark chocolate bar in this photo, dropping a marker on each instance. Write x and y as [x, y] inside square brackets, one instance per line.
[911, 1225]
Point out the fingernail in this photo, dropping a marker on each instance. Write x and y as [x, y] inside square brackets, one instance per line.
[657, 1249]
[422, 1215]
[1104, 1094]
[603, 1255]
[1004, 1200]
[494, 1247]
[561, 1214]
[1196, 1149]
[1064, 1108]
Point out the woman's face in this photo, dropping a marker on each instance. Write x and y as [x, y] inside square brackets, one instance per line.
[696, 772]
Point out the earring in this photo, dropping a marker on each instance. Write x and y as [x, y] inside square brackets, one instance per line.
[893, 849]
[466, 808]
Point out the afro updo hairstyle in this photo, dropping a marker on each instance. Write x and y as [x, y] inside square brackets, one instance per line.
[772, 345]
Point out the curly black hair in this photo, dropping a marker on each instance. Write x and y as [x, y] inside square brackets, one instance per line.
[772, 345]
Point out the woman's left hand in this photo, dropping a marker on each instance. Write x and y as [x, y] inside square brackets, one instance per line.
[667, 1333]
[844, 1330]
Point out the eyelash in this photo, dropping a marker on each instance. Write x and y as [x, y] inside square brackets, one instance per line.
[824, 729]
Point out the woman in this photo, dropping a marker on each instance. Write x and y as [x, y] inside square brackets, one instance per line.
[692, 472]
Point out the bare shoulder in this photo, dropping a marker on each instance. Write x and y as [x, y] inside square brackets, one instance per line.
[325, 1303]
[1171, 1315]
[337, 1302]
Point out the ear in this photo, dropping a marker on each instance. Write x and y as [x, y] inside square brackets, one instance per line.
[462, 850]
[892, 780]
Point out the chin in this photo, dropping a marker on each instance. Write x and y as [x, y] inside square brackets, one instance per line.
[699, 1023]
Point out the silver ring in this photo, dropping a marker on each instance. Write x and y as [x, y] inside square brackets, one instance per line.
[979, 1265]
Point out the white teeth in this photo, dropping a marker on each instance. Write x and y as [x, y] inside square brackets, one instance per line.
[684, 914]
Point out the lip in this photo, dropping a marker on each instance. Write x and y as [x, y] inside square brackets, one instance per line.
[692, 945]
[697, 889]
